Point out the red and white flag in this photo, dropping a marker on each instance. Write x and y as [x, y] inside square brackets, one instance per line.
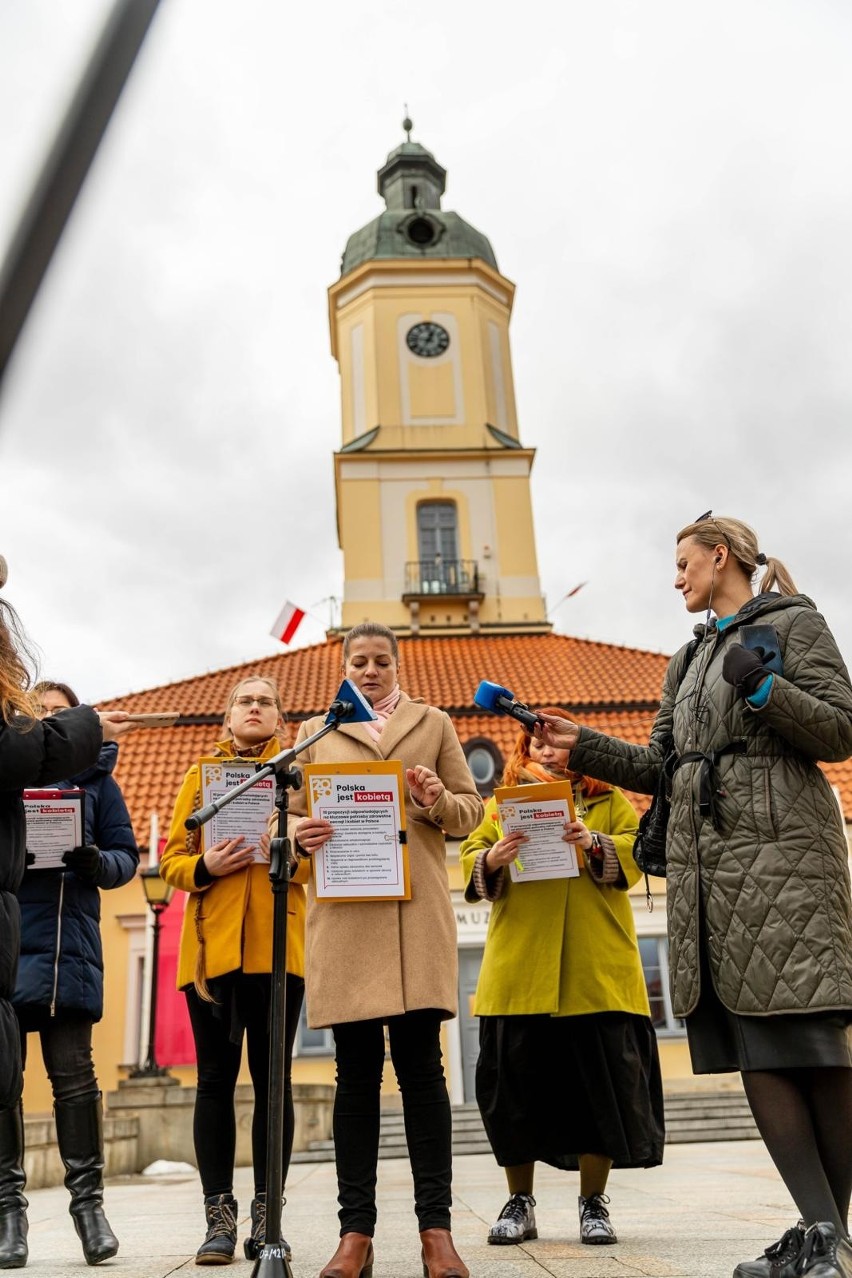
[287, 622]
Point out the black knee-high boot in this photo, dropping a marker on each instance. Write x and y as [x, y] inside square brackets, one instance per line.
[13, 1204]
[79, 1131]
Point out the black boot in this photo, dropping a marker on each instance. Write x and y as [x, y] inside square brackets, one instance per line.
[257, 1237]
[220, 1244]
[13, 1205]
[80, 1133]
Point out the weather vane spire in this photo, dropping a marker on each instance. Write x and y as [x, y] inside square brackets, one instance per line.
[406, 124]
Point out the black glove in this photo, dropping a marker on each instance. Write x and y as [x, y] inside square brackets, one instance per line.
[85, 862]
[744, 668]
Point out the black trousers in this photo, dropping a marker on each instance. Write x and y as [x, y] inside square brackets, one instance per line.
[415, 1048]
[219, 1056]
[66, 1045]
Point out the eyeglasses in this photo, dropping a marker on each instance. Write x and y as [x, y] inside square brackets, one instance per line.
[265, 703]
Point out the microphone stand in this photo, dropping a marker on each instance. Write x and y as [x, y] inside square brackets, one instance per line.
[272, 1261]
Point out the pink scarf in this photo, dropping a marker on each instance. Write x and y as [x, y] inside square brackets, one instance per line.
[384, 709]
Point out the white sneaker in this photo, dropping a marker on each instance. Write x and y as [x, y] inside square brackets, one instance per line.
[595, 1224]
[516, 1222]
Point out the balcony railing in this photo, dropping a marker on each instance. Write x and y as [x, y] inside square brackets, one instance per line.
[442, 577]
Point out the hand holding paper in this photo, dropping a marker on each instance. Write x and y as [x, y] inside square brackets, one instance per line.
[85, 862]
[576, 832]
[229, 855]
[312, 832]
[505, 851]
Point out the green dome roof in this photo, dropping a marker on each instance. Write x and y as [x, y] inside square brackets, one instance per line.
[413, 225]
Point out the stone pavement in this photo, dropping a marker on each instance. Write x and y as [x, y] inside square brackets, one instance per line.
[707, 1208]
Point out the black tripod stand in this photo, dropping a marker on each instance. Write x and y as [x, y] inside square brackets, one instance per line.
[272, 1261]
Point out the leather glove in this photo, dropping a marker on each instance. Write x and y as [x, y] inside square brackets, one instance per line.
[85, 862]
[744, 668]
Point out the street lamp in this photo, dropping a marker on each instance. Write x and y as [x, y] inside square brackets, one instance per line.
[158, 894]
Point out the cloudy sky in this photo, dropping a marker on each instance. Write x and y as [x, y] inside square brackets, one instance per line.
[667, 183]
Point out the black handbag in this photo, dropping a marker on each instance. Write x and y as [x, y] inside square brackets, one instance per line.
[649, 850]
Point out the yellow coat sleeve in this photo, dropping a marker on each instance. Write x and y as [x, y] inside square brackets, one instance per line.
[484, 836]
[183, 848]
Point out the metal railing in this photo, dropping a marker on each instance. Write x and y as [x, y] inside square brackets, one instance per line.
[442, 577]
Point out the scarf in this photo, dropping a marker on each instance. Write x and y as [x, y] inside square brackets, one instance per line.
[384, 709]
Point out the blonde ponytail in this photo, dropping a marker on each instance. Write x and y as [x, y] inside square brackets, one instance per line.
[778, 578]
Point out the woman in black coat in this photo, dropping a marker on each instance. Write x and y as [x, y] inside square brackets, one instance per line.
[32, 753]
[60, 988]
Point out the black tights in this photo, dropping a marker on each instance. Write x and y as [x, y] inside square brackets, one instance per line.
[805, 1119]
[415, 1048]
[214, 1124]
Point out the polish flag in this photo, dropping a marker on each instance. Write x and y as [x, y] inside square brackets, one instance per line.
[287, 622]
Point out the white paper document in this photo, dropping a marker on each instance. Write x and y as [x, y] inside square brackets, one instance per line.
[247, 815]
[365, 858]
[545, 855]
[54, 826]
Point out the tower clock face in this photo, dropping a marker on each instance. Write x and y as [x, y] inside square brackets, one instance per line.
[427, 340]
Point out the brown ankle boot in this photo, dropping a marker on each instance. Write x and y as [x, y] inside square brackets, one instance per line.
[353, 1258]
[439, 1256]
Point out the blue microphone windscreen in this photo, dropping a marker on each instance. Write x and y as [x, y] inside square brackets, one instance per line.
[486, 696]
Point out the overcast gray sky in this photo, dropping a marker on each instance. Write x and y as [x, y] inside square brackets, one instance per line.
[667, 183]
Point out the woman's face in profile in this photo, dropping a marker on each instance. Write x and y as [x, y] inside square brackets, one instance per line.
[372, 667]
[553, 760]
[694, 579]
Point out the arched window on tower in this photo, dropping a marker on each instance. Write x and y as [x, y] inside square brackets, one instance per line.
[437, 546]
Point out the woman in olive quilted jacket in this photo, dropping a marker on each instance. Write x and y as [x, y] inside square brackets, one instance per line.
[758, 888]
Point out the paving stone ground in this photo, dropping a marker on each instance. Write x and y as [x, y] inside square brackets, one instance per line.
[708, 1207]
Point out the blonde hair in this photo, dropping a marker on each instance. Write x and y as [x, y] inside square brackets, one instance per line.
[741, 541]
[232, 695]
[16, 660]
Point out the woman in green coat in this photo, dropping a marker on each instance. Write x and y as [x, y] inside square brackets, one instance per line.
[757, 884]
[568, 1072]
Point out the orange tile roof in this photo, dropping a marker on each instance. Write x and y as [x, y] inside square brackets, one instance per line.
[614, 689]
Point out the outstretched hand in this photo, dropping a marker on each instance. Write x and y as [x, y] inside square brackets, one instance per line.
[115, 724]
[560, 734]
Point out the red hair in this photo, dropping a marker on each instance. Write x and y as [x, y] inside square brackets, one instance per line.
[519, 761]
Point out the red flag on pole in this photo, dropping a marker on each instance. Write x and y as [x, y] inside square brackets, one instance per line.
[287, 622]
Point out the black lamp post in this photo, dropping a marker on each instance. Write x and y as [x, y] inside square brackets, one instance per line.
[158, 894]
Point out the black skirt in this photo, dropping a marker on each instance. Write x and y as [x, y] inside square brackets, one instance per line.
[722, 1042]
[553, 1087]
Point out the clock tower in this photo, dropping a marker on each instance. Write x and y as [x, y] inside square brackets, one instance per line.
[432, 482]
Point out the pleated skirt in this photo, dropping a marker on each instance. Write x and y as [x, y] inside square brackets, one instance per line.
[553, 1087]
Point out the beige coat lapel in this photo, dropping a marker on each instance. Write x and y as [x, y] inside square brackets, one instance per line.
[405, 717]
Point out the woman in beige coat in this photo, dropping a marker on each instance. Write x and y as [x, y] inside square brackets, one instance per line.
[374, 963]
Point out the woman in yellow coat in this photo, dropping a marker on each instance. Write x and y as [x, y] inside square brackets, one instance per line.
[568, 1071]
[224, 969]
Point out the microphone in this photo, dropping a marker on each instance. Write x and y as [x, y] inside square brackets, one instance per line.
[350, 706]
[341, 710]
[490, 696]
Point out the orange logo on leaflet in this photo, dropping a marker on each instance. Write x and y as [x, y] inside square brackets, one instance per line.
[373, 796]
